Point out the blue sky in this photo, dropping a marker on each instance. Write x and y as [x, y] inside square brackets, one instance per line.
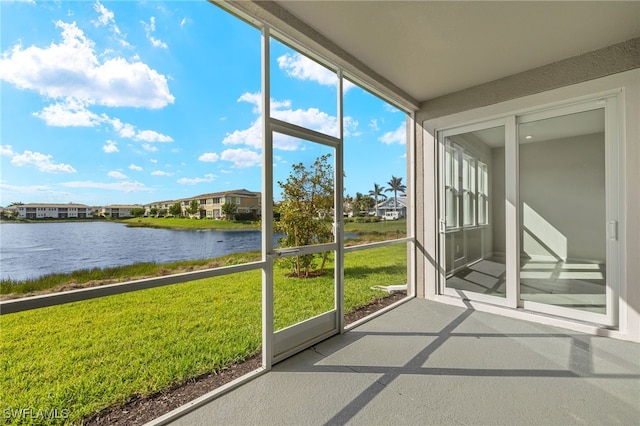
[133, 102]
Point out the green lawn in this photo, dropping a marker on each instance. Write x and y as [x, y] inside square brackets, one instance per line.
[375, 231]
[86, 356]
[182, 223]
[392, 227]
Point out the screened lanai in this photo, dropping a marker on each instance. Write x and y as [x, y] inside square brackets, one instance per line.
[522, 146]
[517, 263]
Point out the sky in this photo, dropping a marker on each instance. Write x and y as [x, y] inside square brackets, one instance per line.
[123, 102]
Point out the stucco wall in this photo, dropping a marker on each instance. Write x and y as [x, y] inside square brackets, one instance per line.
[589, 66]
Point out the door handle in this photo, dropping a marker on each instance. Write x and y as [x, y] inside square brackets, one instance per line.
[613, 230]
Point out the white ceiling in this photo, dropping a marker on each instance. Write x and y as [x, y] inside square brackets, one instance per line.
[429, 48]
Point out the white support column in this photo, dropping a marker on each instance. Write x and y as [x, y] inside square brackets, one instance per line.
[411, 204]
[267, 207]
[338, 220]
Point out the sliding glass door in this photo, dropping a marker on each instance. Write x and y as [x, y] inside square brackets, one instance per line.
[472, 225]
[528, 211]
[568, 216]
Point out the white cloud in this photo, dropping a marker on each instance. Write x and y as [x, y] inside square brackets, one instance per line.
[251, 137]
[153, 160]
[350, 126]
[69, 113]
[373, 124]
[106, 16]
[71, 69]
[149, 29]
[42, 193]
[157, 43]
[311, 118]
[149, 148]
[123, 186]
[302, 68]
[41, 161]
[161, 173]
[242, 157]
[209, 157]
[110, 147]
[398, 136]
[117, 175]
[135, 167]
[390, 108]
[188, 181]
[72, 112]
[6, 150]
[22, 190]
[126, 130]
[152, 136]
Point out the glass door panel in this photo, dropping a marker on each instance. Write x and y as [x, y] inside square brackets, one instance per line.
[473, 217]
[304, 273]
[563, 256]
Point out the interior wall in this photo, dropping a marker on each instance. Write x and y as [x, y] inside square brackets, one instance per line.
[562, 189]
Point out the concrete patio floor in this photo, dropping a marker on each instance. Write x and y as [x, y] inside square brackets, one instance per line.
[431, 363]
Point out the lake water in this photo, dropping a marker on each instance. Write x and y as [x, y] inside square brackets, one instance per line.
[31, 250]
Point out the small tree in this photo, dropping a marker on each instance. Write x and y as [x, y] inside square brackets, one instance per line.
[306, 212]
[138, 212]
[229, 210]
[153, 211]
[175, 210]
[193, 207]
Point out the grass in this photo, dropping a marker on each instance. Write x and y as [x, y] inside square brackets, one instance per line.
[376, 231]
[182, 223]
[85, 356]
[392, 227]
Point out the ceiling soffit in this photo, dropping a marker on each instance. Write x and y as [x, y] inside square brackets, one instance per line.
[428, 49]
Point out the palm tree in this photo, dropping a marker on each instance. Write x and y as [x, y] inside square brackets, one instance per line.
[395, 186]
[377, 191]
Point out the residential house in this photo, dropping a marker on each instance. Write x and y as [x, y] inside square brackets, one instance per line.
[392, 205]
[210, 204]
[246, 202]
[117, 211]
[53, 211]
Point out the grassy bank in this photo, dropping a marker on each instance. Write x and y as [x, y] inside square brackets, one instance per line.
[392, 227]
[182, 223]
[83, 357]
[96, 276]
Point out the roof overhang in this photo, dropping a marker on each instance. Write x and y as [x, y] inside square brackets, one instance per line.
[415, 51]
